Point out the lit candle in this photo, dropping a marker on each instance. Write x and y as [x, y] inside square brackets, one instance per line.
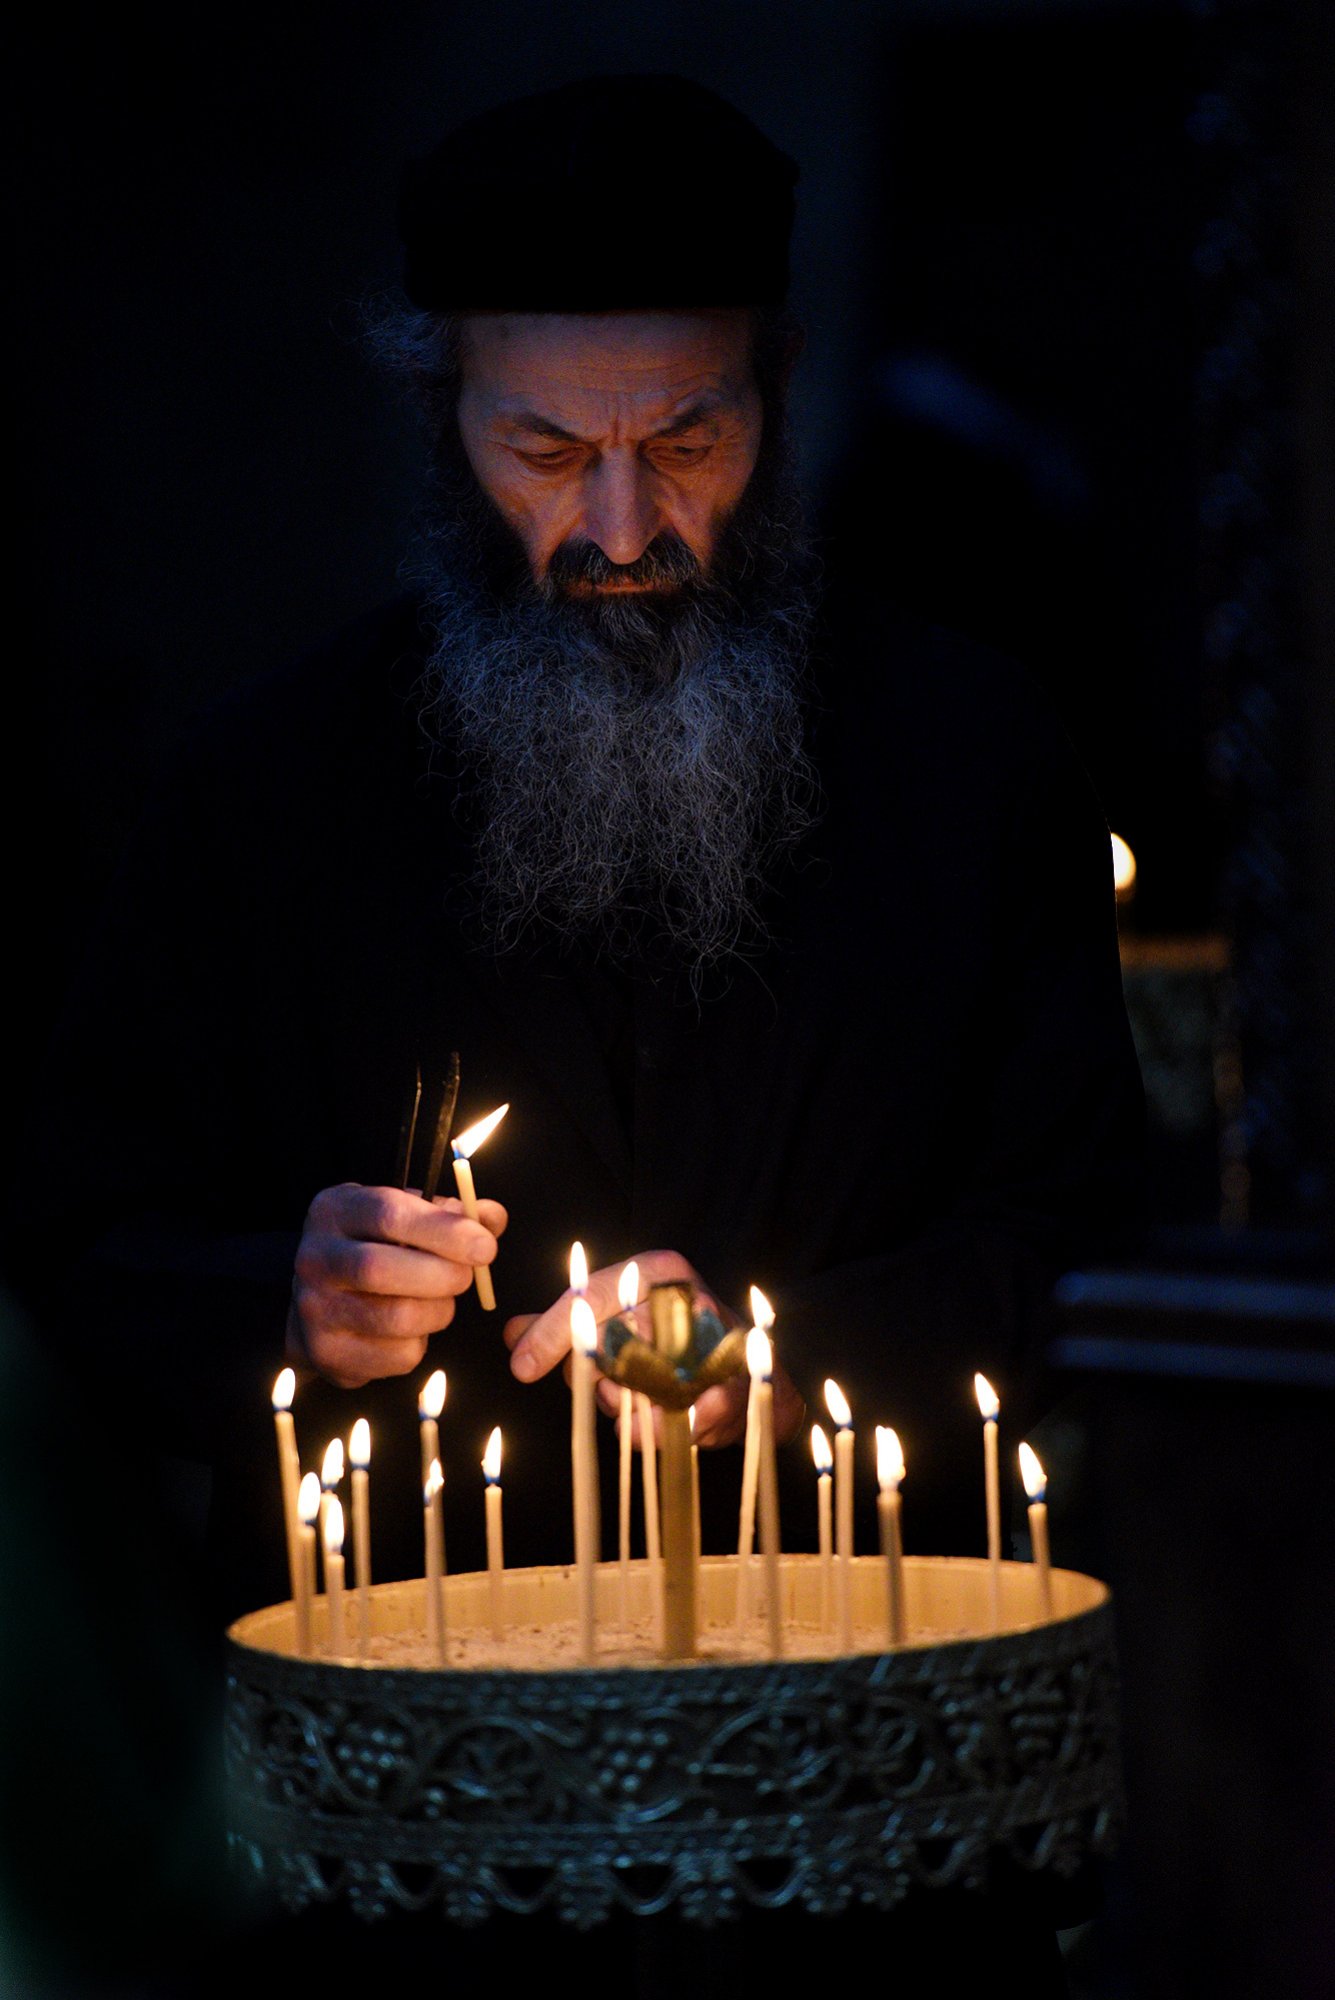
[333, 1573]
[491, 1472]
[837, 1404]
[430, 1403]
[889, 1472]
[583, 1446]
[653, 1541]
[769, 1491]
[695, 1484]
[289, 1470]
[1036, 1487]
[308, 1513]
[989, 1408]
[359, 1452]
[331, 1475]
[435, 1561]
[464, 1148]
[762, 1318]
[628, 1286]
[823, 1459]
[670, 1305]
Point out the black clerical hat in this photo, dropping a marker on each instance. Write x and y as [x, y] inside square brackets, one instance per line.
[618, 193]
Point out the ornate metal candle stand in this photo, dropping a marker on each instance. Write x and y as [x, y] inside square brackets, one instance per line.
[818, 1782]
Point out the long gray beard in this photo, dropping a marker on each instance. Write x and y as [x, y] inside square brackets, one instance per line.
[635, 767]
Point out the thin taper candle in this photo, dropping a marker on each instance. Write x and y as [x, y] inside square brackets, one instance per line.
[762, 1318]
[584, 1463]
[1036, 1488]
[989, 1407]
[333, 1574]
[359, 1452]
[769, 1510]
[463, 1150]
[308, 1513]
[491, 1472]
[823, 1459]
[289, 1469]
[435, 1562]
[837, 1404]
[889, 1473]
[628, 1286]
[430, 1403]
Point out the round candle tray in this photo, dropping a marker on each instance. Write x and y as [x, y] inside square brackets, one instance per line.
[702, 1786]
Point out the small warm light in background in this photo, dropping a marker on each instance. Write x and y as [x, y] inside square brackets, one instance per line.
[331, 1470]
[628, 1286]
[821, 1455]
[1124, 869]
[889, 1457]
[359, 1445]
[308, 1500]
[989, 1403]
[1032, 1473]
[836, 1402]
[468, 1142]
[432, 1399]
[579, 1268]
[759, 1355]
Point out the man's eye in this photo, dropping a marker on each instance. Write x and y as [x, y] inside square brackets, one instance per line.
[679, 454]
[551, 461]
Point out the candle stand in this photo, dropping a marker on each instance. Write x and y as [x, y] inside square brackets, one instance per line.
[820, 1780]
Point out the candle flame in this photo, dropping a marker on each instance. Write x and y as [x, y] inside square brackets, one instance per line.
[432, 1399]
[284, 1389]
[435, 1479]
[308, 1499]
[822, 1456]
[331, 1469]
[579, 1268]
[1124, 869]
[491, 1457]
[759, 1355]
[989, 1403]
[836, 1402]
[583, 1326]
[690, 1418]
[359, 1444]
[468, 1142]
[333, 1526]
[1032, 1473]
[762, 1312]
[628, 1286]
[889, 1457]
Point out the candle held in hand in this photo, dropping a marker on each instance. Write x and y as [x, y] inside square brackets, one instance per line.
[464, 1148]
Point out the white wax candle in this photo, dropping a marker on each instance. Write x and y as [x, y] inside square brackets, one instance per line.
[491, 1472]
[434, 1536]
[308, 1513]
[989, 1408]
[746, 1525]
[695, 1487]
[1036, 1487]
[653, 1543]
[625, 1468]
[430, 1403]
[889, 1472]
[333, 1574]
[359, 1451]
[837, 1404]
[289, 1470]
[583, 1452]
[823, 1458]
[769, 1517]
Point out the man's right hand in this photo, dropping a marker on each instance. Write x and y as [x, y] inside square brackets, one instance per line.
[377, 1273]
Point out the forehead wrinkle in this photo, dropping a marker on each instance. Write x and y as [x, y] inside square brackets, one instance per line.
[517, 413]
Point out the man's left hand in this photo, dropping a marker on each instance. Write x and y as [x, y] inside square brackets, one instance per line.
[538, 1341]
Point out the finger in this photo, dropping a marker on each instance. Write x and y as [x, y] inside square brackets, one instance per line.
[514, 1329]
[347, 1264]
[548, 1339]
[493, 1215]
[396, 1215]
[351, 1361]
[720, 1413]
[368, 1317]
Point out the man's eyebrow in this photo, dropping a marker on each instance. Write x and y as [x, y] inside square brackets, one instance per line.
[704, 410]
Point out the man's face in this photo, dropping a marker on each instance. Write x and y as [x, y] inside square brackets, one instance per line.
[615, 446]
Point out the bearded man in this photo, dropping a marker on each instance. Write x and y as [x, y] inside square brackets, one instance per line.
[790, 942]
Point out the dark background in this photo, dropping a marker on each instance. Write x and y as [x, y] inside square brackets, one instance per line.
[1066, 387]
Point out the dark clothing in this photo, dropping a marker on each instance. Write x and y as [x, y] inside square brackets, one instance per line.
[899, 1119]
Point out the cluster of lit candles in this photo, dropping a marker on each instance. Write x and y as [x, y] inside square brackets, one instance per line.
[311, 1502]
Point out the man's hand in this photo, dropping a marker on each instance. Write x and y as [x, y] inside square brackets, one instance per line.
[538, 1341]
[377, 1273]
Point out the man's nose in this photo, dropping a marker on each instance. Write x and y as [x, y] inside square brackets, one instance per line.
[621, 513]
